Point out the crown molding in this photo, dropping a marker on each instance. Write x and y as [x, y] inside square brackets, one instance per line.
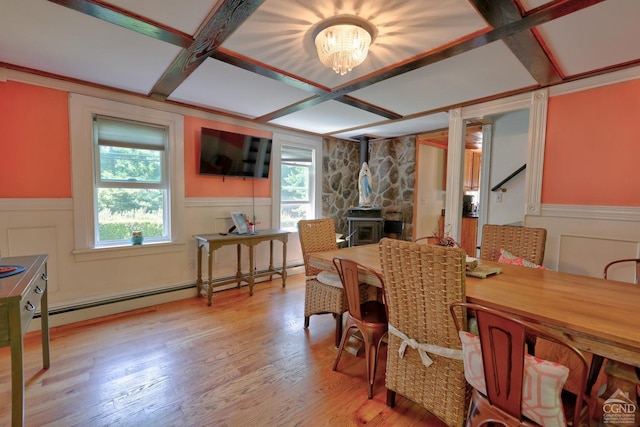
[596, 81]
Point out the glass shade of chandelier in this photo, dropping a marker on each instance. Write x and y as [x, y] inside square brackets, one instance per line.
[343, 46]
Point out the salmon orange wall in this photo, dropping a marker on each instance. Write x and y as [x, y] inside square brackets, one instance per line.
[212, 186]
[592, 150]
[36, 158]
[34, 142]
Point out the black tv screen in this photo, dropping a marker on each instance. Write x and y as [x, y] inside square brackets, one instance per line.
[234, 154]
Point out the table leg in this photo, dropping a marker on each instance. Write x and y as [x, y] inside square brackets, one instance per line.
[617, 405]
[271, 259]
[252, 273]
[239, 268]
[284, 262]
[199, 274]
[210, 275]
[17, 380]
[44, 327]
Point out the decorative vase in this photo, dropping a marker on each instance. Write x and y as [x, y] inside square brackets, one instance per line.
[137, 238]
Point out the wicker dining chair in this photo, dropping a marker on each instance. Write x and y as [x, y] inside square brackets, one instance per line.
[420, 282]
[512, 388]
[597, 360]
[323, 290]
[525, 242]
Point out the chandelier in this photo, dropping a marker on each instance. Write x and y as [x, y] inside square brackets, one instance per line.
[343, 43]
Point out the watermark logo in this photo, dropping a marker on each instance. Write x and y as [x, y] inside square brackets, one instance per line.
[619, 409]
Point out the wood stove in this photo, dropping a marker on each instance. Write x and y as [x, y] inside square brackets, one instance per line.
[365, 225]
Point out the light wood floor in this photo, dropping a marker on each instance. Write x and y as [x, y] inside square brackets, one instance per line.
[244, 361]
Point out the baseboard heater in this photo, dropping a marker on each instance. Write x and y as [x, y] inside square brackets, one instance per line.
[131, 297]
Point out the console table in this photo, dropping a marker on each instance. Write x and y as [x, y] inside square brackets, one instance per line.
[20, 295]
[211, 242]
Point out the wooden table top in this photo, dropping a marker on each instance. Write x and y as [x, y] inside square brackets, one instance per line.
[599, 316]
[13, 286]
[217, 240]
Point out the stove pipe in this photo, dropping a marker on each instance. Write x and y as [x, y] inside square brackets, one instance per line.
[364, 149]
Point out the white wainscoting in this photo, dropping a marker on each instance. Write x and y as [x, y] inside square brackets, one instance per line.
[583, 239]
[80, 280]
[587, 255]
[36, 240]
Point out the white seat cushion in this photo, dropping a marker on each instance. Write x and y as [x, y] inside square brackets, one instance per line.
[329, 278]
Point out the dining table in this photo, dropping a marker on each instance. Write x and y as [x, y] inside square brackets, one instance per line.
[596, 315]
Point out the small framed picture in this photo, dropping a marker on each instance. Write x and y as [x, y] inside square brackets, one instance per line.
[238, 220]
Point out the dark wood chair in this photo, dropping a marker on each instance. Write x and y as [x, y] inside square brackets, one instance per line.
[635, 261]
[368, 317]
[499, 369]
[597, 360]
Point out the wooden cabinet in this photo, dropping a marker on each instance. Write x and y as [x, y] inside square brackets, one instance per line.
[472, 162]
[469, 235]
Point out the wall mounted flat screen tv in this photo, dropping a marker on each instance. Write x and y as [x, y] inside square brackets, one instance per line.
[234, 154]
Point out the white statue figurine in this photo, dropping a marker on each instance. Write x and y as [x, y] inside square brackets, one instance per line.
[364, 186]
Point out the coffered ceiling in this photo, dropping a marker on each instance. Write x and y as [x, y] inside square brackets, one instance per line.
[256, 59]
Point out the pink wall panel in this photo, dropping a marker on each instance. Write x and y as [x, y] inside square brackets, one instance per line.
[34, 142]
[592, 149]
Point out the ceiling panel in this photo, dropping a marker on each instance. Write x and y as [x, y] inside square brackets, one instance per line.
[327, 117]
[224, 87]
[183, 15]
[479, 73]
[584, 41]
[43, 36]
[404, 127]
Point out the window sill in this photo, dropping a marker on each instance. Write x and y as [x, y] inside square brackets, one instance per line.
[94, 254]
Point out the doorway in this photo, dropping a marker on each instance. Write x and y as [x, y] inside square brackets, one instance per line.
[431, 182]
[528, 110]
[505, 152]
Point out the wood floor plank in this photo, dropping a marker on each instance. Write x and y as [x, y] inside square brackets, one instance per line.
[243, 361]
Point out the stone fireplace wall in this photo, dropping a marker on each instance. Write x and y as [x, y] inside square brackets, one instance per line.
[392, 163]
[340, 168]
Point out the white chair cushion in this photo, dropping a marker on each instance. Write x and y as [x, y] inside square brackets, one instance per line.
[329, 278]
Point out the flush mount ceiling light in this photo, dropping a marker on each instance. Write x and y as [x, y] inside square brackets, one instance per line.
[343, 42]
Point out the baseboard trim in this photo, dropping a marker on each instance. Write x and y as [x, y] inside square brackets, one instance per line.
[108, 306]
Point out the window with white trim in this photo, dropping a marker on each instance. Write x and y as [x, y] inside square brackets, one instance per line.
[128, 175]
[297, 189]
[131, 181]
